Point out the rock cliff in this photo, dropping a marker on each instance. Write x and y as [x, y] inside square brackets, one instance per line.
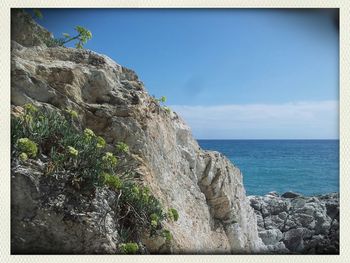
[49, 216]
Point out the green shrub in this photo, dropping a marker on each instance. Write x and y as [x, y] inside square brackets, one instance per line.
[109, 160]
[154, 217]
[112, 181]
[23, 157]
[73, 152]
[30, 108]
[167, 235]
[154, 220]
[122, 147]
[60, 141]
[89, 134]
[162, 99]
[27, 146]
[173, 214]
[83, 35]
[128, 248]
[72, 113]
[37, 13]
[143, 210]
[101, 143]
[78, 153]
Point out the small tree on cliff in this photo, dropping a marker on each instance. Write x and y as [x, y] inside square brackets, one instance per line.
[83, 36]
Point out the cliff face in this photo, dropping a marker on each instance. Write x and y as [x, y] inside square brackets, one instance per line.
[48, 216]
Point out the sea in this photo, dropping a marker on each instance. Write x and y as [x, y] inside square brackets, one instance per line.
[308, 167]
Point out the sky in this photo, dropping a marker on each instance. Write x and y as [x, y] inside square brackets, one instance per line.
[229, 73]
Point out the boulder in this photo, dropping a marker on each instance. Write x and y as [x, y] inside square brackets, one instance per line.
[290, 195]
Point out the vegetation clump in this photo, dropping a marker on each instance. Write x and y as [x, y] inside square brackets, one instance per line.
[122, 147]
[23, 157]
[82, 36]
[167, 235]
[161, 101]
[173, 214]
[101, 143]
[72, 113]
[73, 152]
[112, 181]
[27, 146]
[128, 248]
[81, 155]
[109, 160]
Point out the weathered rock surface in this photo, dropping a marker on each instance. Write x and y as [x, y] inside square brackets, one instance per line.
[49, 216]
[296, 224]
[206, 189]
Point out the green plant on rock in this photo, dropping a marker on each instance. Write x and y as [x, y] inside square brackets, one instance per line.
[23, 157]
[122, 147]
[112, 181]
[81, 155]
[167, 235]
[73, 152]
[101, 143]
[27, 146]
[128, 248]
[173, 214]
[139, 208]
[30, 108]
[37, 13]
[89, 134]
[72, 113]
[62, 142]
[154, 221]
[162, 99]
[83, 36]
[109, 160]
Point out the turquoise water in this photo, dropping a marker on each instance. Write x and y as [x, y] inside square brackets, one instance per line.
[308, 167]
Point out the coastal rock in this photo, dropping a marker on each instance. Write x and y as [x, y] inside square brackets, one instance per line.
[205, 187]
[290, 195]
[48, 216]
[271, 236]
[307, 224]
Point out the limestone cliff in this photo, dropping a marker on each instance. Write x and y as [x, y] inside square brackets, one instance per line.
[49, 217]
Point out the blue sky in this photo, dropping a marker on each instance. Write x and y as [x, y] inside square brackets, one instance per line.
[230, 73]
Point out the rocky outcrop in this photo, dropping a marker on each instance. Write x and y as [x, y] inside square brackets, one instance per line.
[26, 31]
[294, 223]
[50, 217]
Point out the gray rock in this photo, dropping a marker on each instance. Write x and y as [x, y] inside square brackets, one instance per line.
[293, 240]
[290, 195]
[26, 31]
[273, 193]
[308, 224]
[47, 219]
[271, 236]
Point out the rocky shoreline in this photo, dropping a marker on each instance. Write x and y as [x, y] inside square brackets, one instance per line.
[292, 223]
[50, 215]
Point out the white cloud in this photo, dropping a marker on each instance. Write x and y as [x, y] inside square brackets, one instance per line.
[294, 120]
